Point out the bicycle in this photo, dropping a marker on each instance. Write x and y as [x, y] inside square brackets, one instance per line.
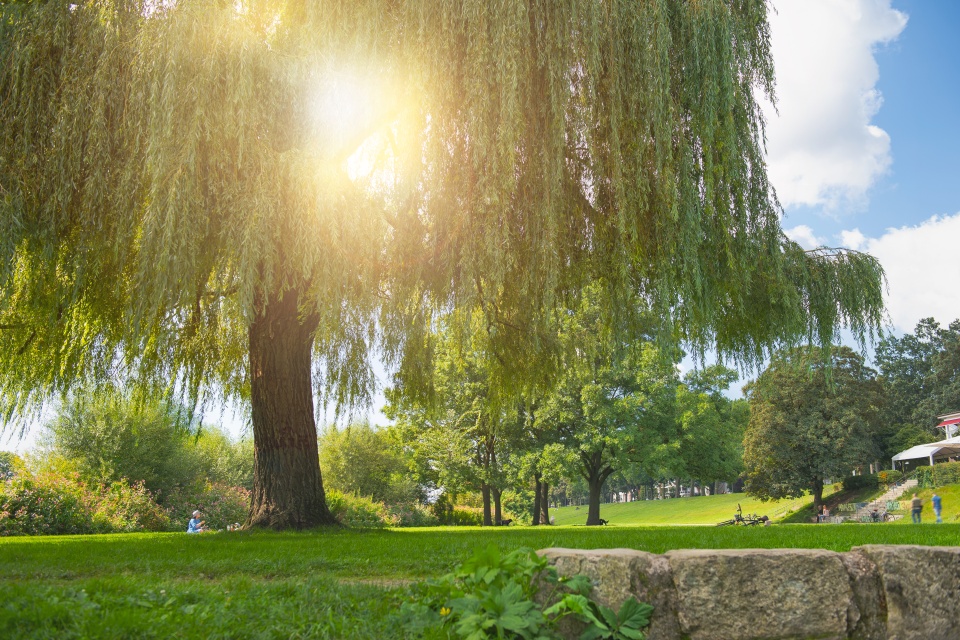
[750, 520]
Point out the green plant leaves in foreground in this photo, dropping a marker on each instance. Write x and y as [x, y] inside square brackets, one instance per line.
[514, 595]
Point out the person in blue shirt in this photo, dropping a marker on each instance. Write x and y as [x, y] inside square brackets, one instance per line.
[196, 524]
[935, 501]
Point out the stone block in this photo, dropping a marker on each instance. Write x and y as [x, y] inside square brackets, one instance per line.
[746, 594]
[867, 596]
[921, 590]
[616, 575]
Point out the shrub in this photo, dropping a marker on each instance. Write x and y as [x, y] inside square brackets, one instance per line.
[46, 505]
[853, 483]
[456, 515]
[109, 434]
[466, 516]
[221, 505]
[121, 507]
[356, 511]
[364, 460]
[52, 503]
[938, 475]
[891, 476]
[412, 515]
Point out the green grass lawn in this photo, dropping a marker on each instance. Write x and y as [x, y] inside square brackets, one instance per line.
[683, 511]
[325, 584]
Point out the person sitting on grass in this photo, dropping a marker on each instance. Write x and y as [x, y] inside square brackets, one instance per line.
[196, 525]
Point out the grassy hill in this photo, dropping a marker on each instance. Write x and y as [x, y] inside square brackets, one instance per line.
[704, 510]
[682, 511]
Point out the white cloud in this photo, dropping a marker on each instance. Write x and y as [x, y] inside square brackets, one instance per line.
[852, 239]
[822, 149]
[923, 270]
[804, 236]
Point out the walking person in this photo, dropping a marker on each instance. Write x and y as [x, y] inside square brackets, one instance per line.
[935, 501]
[916, 506]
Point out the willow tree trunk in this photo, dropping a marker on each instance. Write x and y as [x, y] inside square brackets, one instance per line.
[287, 487]
[497, 505]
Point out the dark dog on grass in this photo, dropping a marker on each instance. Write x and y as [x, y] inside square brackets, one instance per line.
[602, 521]
[503, 523]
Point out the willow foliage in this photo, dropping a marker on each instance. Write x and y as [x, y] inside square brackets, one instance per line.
[162, 173]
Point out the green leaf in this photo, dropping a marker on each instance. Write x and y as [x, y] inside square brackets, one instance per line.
[634, 614]
[609, 617]
[592, 632]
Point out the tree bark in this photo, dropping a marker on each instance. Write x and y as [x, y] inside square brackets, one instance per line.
[593, 508]
[535, 520]
[817, 494]
[485, 492]
[497, 507]
[287, 486]
[544, 503]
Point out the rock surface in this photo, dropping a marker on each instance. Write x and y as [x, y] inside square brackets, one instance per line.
[921, 586]
[868, 593]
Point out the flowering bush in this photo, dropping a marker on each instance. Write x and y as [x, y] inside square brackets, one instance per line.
[121, 507]
[57, 502]
[47, 504]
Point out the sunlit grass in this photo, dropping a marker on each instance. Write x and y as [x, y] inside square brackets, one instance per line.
[320, 584]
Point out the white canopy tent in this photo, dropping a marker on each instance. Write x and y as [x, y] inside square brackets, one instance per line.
[934, 451]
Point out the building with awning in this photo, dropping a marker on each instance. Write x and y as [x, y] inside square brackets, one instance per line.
[933, 452]
[949, 423]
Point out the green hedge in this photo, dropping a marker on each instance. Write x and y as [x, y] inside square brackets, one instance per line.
[853, 483]
[938, 475]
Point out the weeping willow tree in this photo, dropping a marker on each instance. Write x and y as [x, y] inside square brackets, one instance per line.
[178, 207]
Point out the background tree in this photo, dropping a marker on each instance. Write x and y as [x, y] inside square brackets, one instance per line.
[466, 431]
[109, 435]
[809, 422]
[711, 426]
[10, 465]
[369, 462]
[223, 459]
[172, 211]
[614, 400]
[921, 377]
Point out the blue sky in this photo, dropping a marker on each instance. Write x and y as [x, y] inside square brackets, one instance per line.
[865, 149]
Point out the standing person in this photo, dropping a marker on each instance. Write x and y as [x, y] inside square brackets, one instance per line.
[935, 501]
[916, 506]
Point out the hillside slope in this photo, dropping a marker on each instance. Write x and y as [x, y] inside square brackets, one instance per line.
[678, 511]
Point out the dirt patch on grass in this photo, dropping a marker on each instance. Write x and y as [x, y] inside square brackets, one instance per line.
[385, 583]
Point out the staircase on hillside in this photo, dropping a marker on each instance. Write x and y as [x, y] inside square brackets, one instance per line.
[880, 504]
